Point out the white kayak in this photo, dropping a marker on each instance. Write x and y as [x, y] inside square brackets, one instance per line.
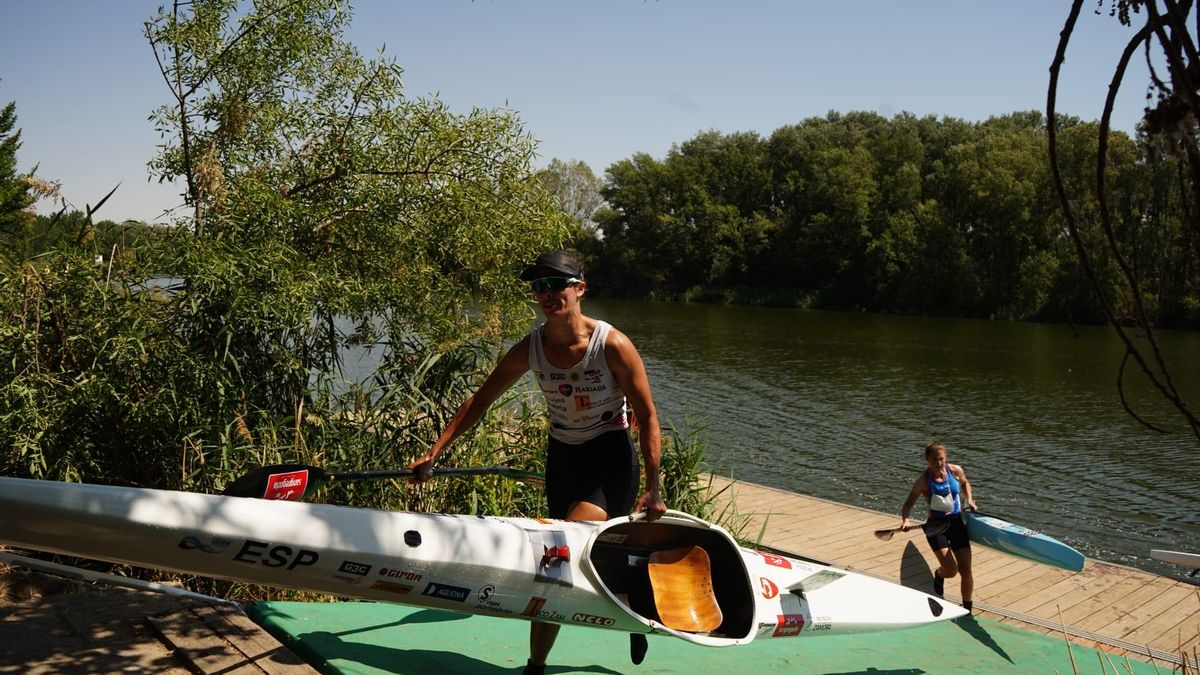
[678, 575]
[1191, 560]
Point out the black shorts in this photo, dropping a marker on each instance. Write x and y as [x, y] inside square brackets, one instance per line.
[948, 533]
[602, 471]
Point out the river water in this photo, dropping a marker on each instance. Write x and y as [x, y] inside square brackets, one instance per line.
[840, 405]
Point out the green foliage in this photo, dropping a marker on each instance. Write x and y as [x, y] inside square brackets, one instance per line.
[293, 144]
[576, 191]
[328, 210]
[76, 229]
[682, 463]
[88, 390]
[16, 194]
[922, 215]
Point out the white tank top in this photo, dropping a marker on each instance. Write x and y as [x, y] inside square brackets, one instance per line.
[584, 400]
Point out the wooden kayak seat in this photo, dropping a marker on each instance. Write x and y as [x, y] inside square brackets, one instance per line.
[681, 580]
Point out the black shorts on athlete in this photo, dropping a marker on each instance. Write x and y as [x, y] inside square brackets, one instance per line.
[948, 533]
[601, 471]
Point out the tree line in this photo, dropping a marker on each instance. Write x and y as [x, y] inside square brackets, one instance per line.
[905, 214]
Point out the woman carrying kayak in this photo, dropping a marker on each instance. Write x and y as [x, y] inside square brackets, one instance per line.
[587, 371]
[945, 488]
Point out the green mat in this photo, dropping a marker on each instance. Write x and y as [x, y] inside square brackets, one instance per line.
[374, 638]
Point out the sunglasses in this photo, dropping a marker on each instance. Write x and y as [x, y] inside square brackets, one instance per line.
[552, 283]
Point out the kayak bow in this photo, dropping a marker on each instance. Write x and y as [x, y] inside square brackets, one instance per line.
[678, 575]
[1022, 542]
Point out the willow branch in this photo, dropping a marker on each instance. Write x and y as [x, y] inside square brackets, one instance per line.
[1169, 388]
[1056, 173]
[1069, 213]
[1124, 401]
[1178, 69]
[185, 132]
[250, 28]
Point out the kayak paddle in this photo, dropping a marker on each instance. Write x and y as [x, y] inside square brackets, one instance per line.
[887, 534]
[293, 482]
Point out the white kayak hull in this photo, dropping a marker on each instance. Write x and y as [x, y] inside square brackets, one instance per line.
[1191, 560]
[572, 573]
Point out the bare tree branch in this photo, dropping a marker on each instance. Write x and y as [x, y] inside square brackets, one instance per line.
[1174, 44]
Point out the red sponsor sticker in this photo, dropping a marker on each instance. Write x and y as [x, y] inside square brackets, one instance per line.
[775, 560]
[789, 625]
[769, 589]
[288, 486]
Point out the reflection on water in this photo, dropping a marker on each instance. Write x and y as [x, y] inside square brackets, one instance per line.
[840, 405]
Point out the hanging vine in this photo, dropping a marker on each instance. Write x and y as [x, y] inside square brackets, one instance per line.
[1165, 36]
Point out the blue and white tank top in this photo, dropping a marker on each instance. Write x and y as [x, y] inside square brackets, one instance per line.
[584, 400]
[942, 496]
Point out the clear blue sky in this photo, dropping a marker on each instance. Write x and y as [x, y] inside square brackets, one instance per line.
[592, 80]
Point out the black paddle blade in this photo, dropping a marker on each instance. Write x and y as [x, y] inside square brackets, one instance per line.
[884, 534]
[888, 534]
[289, 482]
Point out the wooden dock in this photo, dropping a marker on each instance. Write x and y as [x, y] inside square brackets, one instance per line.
[78, 628]
[1112, 607]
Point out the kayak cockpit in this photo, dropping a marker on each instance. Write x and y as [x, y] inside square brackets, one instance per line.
[688, 580]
